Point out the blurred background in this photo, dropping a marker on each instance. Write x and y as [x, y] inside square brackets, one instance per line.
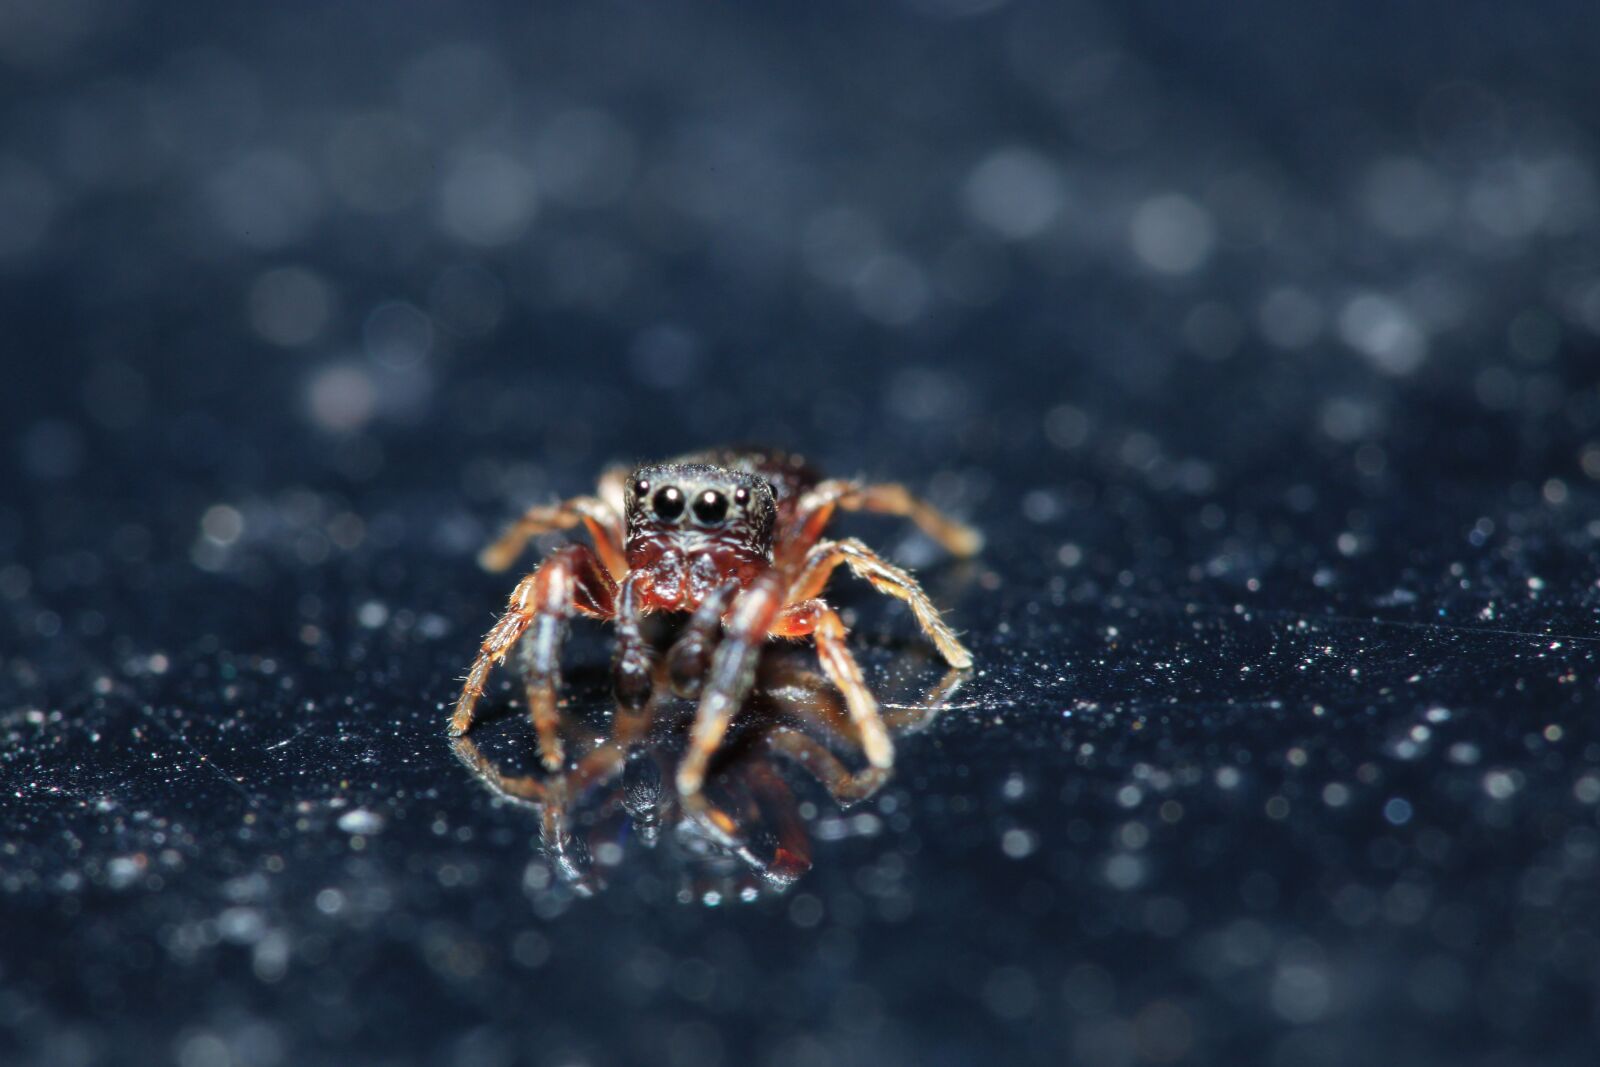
[1225, 312]
[480, 248]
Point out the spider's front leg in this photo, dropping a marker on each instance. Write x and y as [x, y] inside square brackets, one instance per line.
[885, 498]
[689, 658]
[633, 669]
[571, 579]
[816, 618]
[596, 515]
[813, 701]
[885, 577]
[806, 698]
[779, 812]
[733, 670]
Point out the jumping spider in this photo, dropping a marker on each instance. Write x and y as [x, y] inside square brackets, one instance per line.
[732, 537]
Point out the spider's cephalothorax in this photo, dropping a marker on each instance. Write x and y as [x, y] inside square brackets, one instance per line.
[735, 539]
[693, 526]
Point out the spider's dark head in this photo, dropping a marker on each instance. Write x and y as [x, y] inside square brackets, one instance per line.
[697, 525]
[699, 505]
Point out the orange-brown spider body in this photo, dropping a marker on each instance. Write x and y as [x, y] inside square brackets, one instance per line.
[734, 539]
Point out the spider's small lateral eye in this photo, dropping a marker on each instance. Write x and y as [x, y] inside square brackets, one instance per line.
[710, 507]
[668, 503]
[641, 487]
[741, 496]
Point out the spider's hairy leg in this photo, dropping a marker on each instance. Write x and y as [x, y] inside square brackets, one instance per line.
[571, 579]
[732, 673]
[892, 498]
[791, 855]
[633, 668]
[551, 799]
[613, 489]
[816, 618]
[807, 696]
[802, 696]
[689, 658]
[569, 854]
[915, 719]
[594, 514]
[522, 789]
[886, 578]
[883, 498]
[805, 701]
[847, 787]
[757, 799]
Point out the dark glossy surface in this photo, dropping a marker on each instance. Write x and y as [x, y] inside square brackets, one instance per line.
[1261, 344]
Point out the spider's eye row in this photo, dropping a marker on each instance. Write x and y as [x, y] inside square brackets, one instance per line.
[668, 503]
[741, 496]
[710, 507]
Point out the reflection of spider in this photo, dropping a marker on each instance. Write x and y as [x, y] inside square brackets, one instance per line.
[735, 538]
[744, 833]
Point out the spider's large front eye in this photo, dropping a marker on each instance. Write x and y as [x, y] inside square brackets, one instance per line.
[669, 503]
[710, 507]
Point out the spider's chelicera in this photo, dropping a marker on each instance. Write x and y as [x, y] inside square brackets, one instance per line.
[734, 539]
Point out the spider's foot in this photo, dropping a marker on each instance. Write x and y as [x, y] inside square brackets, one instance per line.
[964, 541]
[632, 678]
[497, 557]
[717, 825]
[551, 755]
[687, 664]
[691, 777]
[877, 747]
